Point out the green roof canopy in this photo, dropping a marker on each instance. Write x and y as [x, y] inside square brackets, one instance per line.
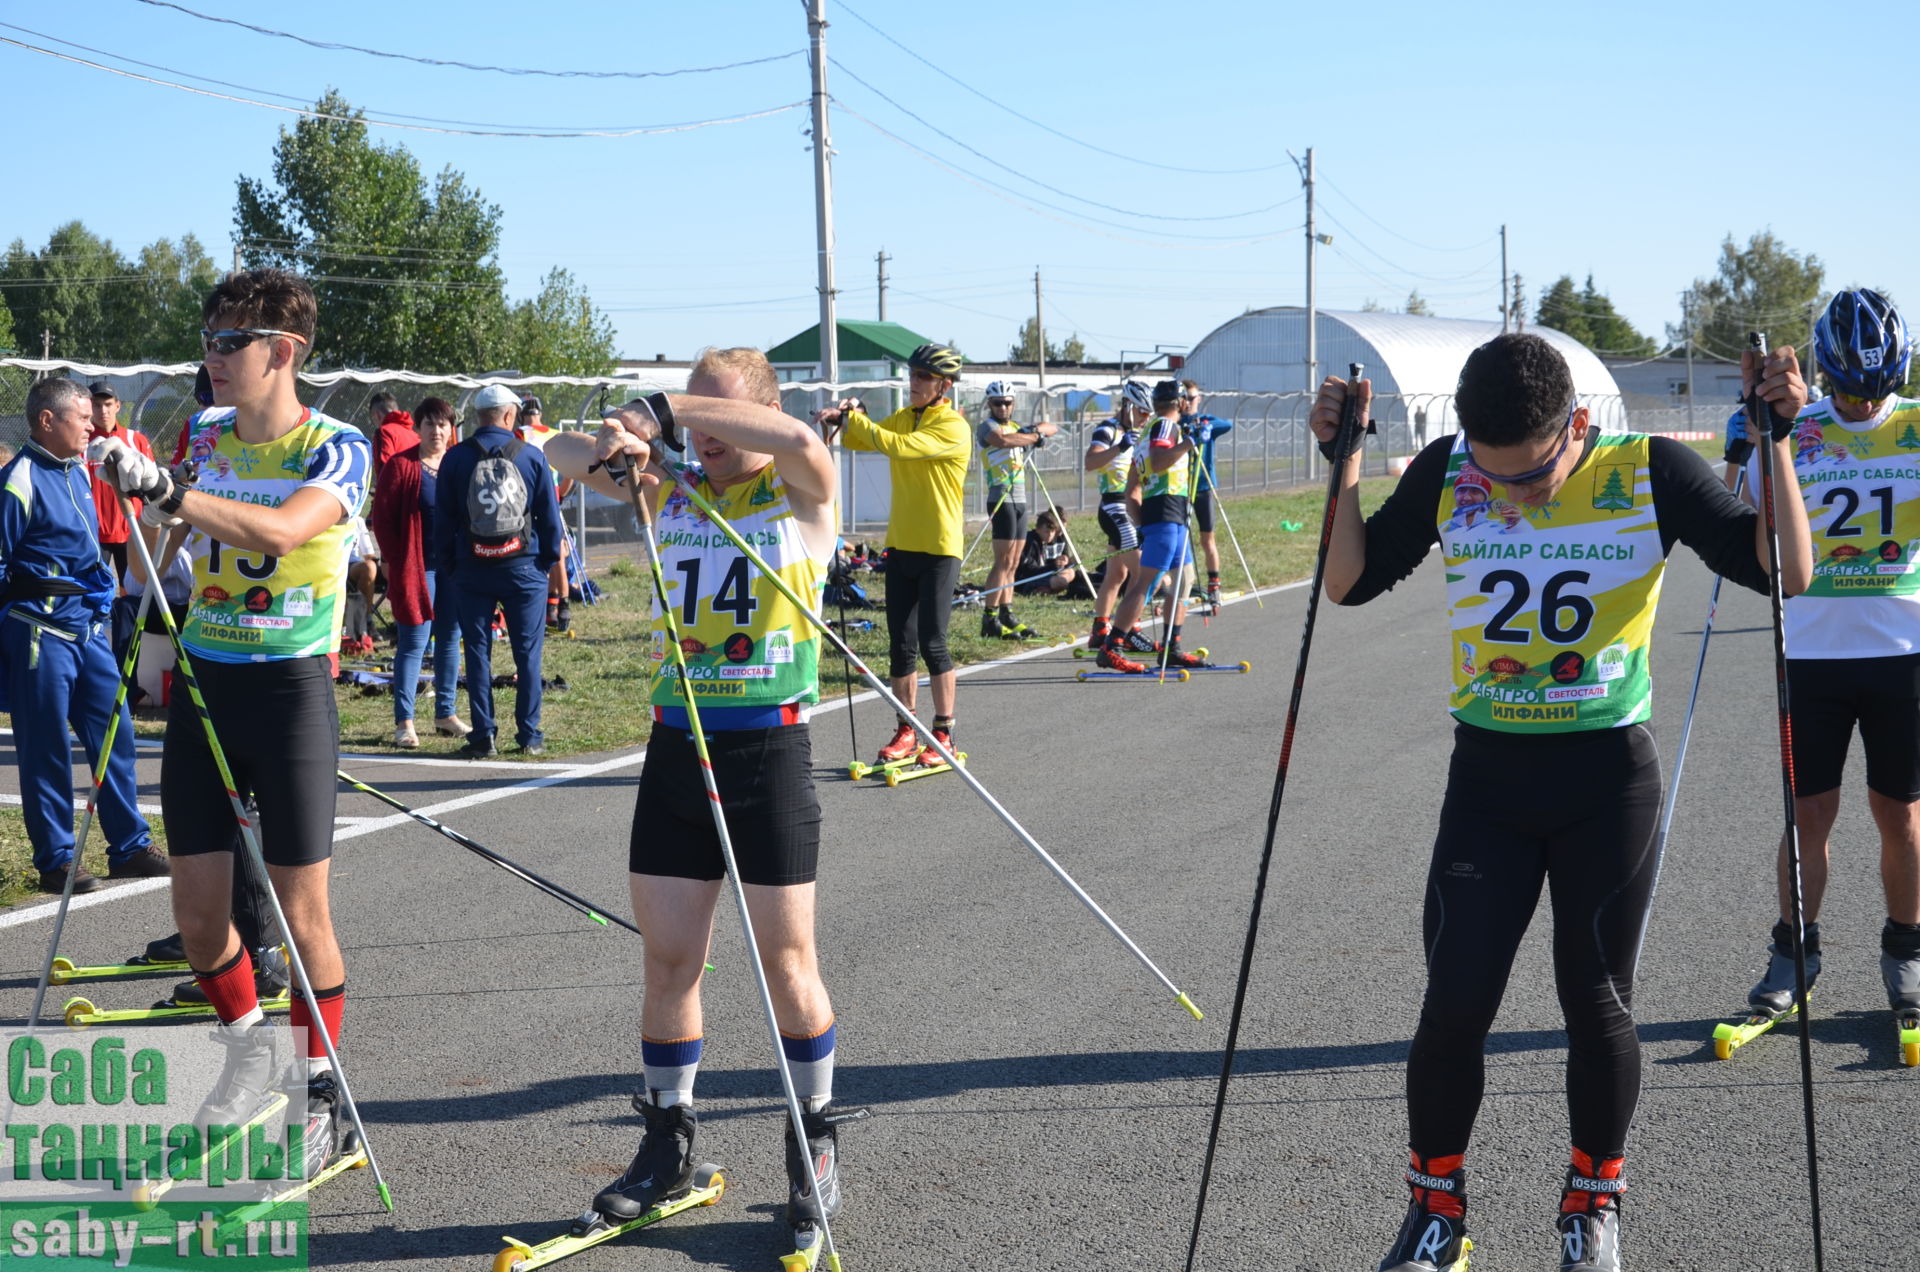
[859, 342]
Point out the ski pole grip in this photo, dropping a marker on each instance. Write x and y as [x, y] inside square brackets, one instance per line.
[1759, 410]
[1347, 441]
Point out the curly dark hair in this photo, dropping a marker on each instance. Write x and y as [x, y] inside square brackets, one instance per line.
[1515, 388]
[274, 299]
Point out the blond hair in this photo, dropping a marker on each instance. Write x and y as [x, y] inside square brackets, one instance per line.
[751, 365]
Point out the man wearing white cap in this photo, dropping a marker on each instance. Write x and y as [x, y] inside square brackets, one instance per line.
[496, 531]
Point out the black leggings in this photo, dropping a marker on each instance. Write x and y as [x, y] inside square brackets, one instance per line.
[1576, 809]
[919, 603]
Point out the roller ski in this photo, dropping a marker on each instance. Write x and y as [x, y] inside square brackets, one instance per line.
[1773, 999]
[1238, 668]
[902, 752]
[1900, 968]
[328, 1146]
[814, 1187]
[80, 1012]
[163, 955]
[993, 627]
[1433, 1237]
[662, 1180]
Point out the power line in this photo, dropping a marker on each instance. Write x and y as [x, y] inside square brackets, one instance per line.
[1021, 200]
[1065, 194]
[331, 46]
[1426, 247]
[1361, 243]
[1111, 154]
[510, 130]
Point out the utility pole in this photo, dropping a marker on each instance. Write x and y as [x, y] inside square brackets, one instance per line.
[1313, 343]
[823, 190]
[1519, 304]
[1040, 335]
[236, 256]
[46, 345]
[882, 259]
[1686, 318]
[1506, 305]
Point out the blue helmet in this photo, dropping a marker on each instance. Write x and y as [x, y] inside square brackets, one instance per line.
[1136, 393]
[1861, 344]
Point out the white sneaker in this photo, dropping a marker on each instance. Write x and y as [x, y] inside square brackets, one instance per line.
[452, 726]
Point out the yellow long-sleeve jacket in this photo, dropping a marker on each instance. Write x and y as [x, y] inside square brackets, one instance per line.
[928, 452]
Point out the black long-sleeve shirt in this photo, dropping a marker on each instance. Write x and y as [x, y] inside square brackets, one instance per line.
[1691, 505]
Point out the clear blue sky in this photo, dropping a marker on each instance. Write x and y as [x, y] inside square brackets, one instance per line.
[1616, 140]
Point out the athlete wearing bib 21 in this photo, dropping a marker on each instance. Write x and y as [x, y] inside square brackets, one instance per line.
[253, 607]
[745, 643]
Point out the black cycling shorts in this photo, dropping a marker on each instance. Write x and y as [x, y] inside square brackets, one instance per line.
[1203, 509]
[765, 778]
[1122, 534]
[1831, 696]
[280, 732]
[1009, 520]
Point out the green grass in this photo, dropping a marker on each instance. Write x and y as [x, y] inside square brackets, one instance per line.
[17, 875]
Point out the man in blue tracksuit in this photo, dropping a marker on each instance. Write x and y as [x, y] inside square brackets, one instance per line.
[496, 531]
[56, 655]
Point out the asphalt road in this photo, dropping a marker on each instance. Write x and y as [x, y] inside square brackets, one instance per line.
[1039, 1098]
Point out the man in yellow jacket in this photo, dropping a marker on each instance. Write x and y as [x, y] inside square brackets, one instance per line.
[928, 445]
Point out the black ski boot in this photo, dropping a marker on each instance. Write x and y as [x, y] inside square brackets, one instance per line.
[662, 1169]
[167, 949]
[1774, 995]
[1589, 1223]
[1433, 1237]
[814, 1180]
[270, 978]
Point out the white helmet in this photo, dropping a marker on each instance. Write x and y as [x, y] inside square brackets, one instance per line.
[999, 389]
[1136, 393]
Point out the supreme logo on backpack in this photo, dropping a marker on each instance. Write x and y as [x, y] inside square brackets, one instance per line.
[498, 505]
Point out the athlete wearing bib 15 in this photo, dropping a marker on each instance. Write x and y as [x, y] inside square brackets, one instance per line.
[249, 607]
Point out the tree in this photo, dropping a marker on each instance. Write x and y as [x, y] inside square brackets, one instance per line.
[1587, 314]
[167, 300]
[1417, 304]
[66, 290]
[1372, 306]
[8, 343]
[559, 332]
[1764, 286]
[1026, 348]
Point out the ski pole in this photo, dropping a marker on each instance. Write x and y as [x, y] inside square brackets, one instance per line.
[250, 838]
[1760, 417]
[794, 1117]
[1346, 441]
[513, 868]
[1073, 553]
[99, 778]
[853, 734]
[1220, 506]
[986, 529]
[925, 733]
[1686, 732]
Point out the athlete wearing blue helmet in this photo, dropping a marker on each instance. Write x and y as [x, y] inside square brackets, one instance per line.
[1861, 345]
[1853, 642]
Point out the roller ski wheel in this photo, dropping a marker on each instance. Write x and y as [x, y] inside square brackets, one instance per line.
[1908, 1023]
[65, 971]
[593, 1228]
[808, 1252]
[908, 772]
[859, 771]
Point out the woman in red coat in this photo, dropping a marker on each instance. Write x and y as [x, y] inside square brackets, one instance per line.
[403, 523]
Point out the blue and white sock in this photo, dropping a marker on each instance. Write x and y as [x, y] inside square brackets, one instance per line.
[670, 1068]
[811, 1062]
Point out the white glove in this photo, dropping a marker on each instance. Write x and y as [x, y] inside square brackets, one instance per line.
[150, 515]
[132, 473]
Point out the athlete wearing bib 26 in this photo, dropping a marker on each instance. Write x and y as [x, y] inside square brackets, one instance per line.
[278, 485]
[1555, 537]
[752, 663]
[1853, 640]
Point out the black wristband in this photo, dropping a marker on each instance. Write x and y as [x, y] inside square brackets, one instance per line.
[171, 504]
[663, 414]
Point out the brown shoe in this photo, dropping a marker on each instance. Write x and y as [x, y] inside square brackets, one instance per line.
[148, 863]
[55, 881]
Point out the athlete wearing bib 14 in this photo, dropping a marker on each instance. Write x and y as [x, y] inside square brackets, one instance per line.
[752, 663]
[1853, 639]
[1555, 538]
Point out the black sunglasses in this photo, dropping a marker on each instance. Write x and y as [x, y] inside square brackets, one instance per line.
[234, 339]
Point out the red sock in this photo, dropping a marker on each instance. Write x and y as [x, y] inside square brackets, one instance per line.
[229, 987]
[1600, 1170]
[331, 1004]
[1422, 1175]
